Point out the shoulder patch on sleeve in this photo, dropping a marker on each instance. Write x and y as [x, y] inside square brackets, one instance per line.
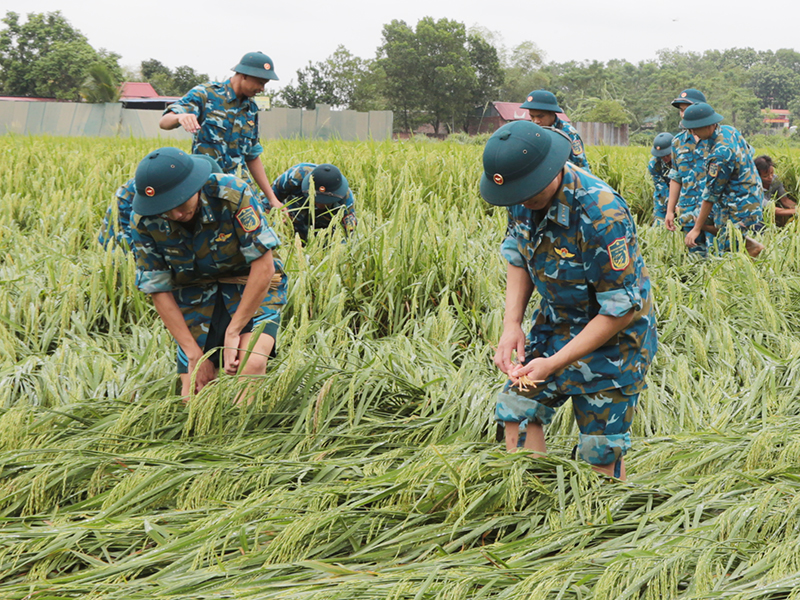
[618, 254]
[577, 146]
[248, 218]
[713, 169]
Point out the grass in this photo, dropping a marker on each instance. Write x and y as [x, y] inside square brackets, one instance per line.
[366, 467]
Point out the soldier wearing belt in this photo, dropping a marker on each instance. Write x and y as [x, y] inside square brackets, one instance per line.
[223, 120]
[686, 175]
[572, 239]
[204, 253]
[543, 108]
[732, 194]
[332, 197]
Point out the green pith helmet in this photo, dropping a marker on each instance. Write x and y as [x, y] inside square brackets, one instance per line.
[256, 64]
[542, 100]
[662, 145]
[699, 115]
[689, 96]
[168, 177]
[520, 160]
[329, 184]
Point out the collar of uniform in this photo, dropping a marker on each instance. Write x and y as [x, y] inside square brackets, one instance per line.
[561, 209]
[206, 214]
[227, 86]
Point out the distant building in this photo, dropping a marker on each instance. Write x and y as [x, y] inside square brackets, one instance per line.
[140, 94]
[776, 118]
[497, 114]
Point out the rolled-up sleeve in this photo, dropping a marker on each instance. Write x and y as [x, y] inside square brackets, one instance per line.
[256, 237]
[192, 102]
[613, 269]
[153, 274]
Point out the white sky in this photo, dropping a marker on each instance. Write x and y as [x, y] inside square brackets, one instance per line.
[294, 33]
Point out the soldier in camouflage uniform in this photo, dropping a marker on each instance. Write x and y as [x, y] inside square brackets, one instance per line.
[332, 197]
[732, 189]
[204, 252]
[223, 119]
[572, 239]
[686, 175]
[119, 228]
[659, 167]
[543, 108]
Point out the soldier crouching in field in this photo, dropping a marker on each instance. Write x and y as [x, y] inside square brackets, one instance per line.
[204, 253]
[572, 239]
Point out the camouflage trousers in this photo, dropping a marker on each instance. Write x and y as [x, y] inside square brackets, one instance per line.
[208, 319]
[604, 418]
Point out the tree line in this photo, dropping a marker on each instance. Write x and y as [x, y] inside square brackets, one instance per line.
[437, 72]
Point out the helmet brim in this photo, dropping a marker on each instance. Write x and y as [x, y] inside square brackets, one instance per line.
[705, 121]
[328, 196]
[527, 186]
[149, 206]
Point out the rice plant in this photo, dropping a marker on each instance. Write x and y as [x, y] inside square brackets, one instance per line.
[366, 467]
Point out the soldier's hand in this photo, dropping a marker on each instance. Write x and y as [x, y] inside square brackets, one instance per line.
[189, 122]
[205, 373]
[669, 221]
[691, 238]
[511, 340]
[230, 353]
[538, 369]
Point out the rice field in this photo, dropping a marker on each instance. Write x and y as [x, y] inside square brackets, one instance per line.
[367, 467]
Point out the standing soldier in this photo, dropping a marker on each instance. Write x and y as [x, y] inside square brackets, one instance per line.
[223, 119]
[332, 195]
[686, 175]
[543, 108]
[593, 335]
[732, 192]
[204, 254]
[659, 167]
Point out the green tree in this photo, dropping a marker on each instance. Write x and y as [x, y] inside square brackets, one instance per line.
[45, 56]
[100, 85]
[169, 83]
[436, 73]
[343, 80]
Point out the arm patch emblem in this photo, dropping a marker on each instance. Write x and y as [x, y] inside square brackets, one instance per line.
[713, 169]
[248, 218]
[577, 146]
[618, 254]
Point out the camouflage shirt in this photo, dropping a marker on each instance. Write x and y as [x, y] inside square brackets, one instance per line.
[583, 256]
[577, 153]
[288, 188]
[229, 233]
[228, 127]
[119, 228]
[688, 161]
[659, 171]
[732, 182]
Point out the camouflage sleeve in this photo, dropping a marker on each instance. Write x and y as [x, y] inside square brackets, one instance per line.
[256, 149]
[661, 187]
[119, 228]
[193, 102]
[719, 168]
[349, 221]
[509, 248]
[256, 237]
[613, 266]
[153, 274]
[285, 186]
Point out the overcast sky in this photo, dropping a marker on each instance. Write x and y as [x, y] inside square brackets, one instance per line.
[293, 33]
